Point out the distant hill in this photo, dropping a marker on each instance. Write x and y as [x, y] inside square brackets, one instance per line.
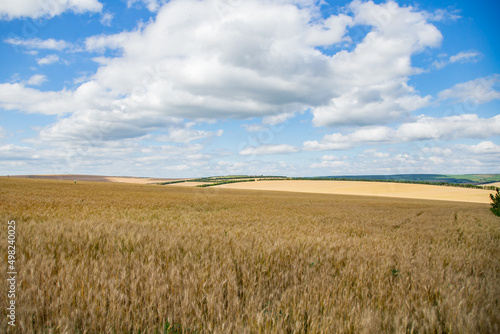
[432, 178]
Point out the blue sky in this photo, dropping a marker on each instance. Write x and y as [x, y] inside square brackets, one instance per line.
[214, 87]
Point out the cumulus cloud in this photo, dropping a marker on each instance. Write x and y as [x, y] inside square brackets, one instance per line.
[151, 5]
[437, 151]
[423, 128]
[277, 119]
[254, 127]
[208, 66]
[335, 141]
[104, 157]
[50, 59]
[449, 128]
[197, 60]
[269, 149]
[442, 15]
[461, 57]
[16, 152]
[373, 153]
[338, 141]
[100, 43]
[37, 43]
[36, 80]
[330, 164]
[106, 19]
[187, 134]
[433, 158]
[476, 91]
[330, 157]
[95, 126]
[375, 74]
[35, 9]
[252, 167]
[19, 97]
[484, 147]
[465, 57]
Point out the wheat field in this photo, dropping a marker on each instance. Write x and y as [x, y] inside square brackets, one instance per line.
[126, 258]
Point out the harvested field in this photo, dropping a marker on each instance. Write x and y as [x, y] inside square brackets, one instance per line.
[96, 178]
[381, 189]
[127, 258]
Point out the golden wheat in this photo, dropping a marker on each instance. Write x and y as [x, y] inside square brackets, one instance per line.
[115, 258]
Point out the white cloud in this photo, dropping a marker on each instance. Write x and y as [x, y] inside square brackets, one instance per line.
[36, 80]
[106, 19]
[476, 91]
[374, 75]
[370, 105]
[254, 127]
[50, 59]
[277, 119]
[330, 157]
[269, 149]
[88, 96]
[373, 153]
[102, 42]
[434, 158]
[461, 57]
[207, 66]
[335, 141]
[35, 9]
[437, 151]
[151, 5]
[423, 128]
[448, 128]
[441, 15]
[37, 43]
[195, 61]
[330, 164]
[103, 157]
[252, 167]
[15, 152]
[465, 57]
[186, 135]
[18, 97]
[372, 134]
[338, 141]
[95, 126]
[484, 147]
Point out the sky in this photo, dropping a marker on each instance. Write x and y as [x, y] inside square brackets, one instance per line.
[190, 88]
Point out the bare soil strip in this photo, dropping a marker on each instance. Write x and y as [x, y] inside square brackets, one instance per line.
[382, 189]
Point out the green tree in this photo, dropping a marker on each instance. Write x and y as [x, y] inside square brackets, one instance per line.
[495, 203]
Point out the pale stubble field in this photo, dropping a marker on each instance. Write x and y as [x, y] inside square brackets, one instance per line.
[125, 258]
[367, 188]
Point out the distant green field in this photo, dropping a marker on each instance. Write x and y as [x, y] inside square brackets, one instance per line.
[437, 178]
[479, 178]
[443, 179]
